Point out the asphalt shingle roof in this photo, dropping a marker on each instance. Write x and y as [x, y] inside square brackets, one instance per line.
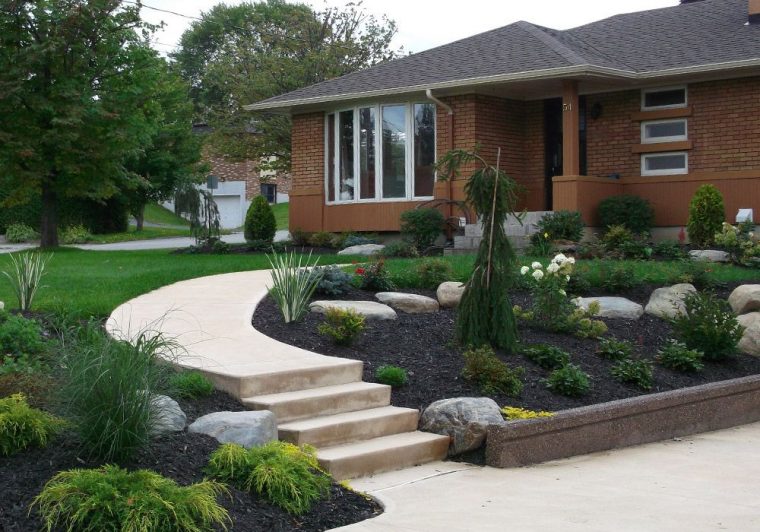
[695, 34]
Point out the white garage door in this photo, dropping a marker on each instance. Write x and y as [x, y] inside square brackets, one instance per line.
[230, 212]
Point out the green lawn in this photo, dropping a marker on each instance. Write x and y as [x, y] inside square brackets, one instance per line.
[157, 214]
[281, 214]
[147, 233]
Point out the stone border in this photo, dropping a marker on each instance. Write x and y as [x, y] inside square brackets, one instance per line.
[625, 423]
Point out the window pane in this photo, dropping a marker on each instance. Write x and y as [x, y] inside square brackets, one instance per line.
[424, 149]
[367, 153]
[665, 98]
[394, 151]
[665, 129]
[346, 139]
[331, 157]
[673, 161]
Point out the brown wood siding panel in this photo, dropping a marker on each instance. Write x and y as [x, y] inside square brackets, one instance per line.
[366, 216]
[306, 213]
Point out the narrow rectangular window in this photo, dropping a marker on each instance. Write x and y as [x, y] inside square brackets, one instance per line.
[664, 163]
[663, 131]
[424, 149]
[664, 98]
[367, 153]
[394, 151]
[330, 157]
[346, 156]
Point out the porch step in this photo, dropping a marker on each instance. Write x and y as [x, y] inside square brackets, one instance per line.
[383, 454]
[334, 372]
[328, 400]
[350, 426]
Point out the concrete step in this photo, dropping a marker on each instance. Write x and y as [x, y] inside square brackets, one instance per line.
[339, 371]
[383, 454]
[325, 401]
[350, 426]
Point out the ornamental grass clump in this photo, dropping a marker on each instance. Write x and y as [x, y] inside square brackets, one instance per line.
[22, 426]
[678, 357]
[708, 325]
[483, 367]
[342, 325]
[190, 385]
[111, 498]
[292, 284]
[391, 375]
[26, 275]
[282, 473]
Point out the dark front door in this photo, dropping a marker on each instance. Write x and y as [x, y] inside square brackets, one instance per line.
[553, 144]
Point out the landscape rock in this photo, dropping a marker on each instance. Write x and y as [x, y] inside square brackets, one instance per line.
[668, 302]
[364, 249]
[750, 342]
[709, 255]
[168, 416]
[409, 303]
[249, 429]
[449, 294]
[612, 307]
[368, 309]
[464, 419]
[745, 298]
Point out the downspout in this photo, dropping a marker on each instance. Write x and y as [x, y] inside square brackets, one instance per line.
[450, 134]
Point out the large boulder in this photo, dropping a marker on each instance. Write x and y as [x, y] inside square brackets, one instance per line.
[668, 302]
[168, 417]
[249, 429]
[364, 249]
[745, 298]
[709, 255]
[612, 307]
[750, 342]
[369, 309]
[449, 294]
[409, 303]
[464, 419]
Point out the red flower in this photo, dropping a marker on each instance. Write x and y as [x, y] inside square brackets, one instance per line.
[360, 271]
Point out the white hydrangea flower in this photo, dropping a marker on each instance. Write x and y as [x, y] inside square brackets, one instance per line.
[524, 270]
[536, 266]
[538, 275]
[571, 260]
[563, 292]
[567, 278]
[559, 258]
[552, 268]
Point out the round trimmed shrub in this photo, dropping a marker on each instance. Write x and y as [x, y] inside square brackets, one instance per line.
[562, 225]
[260, 224]
[633, 212]
[706, 215]
[422, 227]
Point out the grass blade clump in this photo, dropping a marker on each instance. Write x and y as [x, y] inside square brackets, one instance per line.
[111, 498]
[22, 426]
[28, 270]
[292, 284]
[190, 385]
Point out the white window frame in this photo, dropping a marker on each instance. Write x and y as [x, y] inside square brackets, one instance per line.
[658, 140]
[685, 103]
[409, 162]
[677, 171]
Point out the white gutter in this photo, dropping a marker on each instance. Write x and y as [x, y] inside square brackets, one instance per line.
[429, 94]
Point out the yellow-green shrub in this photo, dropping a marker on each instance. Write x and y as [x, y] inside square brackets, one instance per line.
[513, 413]
[342, 325]
[22, 426]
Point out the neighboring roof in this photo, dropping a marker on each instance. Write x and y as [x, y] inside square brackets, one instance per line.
[688, 36]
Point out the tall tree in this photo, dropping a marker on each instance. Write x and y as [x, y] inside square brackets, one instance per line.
[242, 54]
[72, 98]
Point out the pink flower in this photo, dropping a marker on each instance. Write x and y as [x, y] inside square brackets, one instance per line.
[360, 271]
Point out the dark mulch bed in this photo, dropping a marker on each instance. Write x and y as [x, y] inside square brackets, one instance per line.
[245, 249]
[181, 457]
[423, 345]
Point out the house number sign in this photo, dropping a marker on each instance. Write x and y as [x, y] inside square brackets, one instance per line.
[567, 107]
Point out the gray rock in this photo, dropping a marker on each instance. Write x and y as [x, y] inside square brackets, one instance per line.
[464, 419]
[745, 298]
[668, 302]
[612, 307]
[409, 303]
[168, 417]
[709, 255]
[750, 342]
[449, 294]
[368, 309]
[364, 249]
[249, 429]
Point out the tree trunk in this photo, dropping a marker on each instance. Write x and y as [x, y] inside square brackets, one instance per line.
[49, 221]
[139, 215]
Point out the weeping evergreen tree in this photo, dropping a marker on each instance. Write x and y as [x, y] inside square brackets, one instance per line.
[485, 313]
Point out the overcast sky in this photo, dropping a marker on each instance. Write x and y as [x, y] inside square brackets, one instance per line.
[425, 24]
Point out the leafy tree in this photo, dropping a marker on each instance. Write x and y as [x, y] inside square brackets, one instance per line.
[237, 55]
[72, 98]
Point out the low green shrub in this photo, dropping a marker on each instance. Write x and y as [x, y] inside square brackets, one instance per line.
[632, 212]
[483, 367]
[669, 250]
[615, 237]
[375, 277]
[282, 473]
[401, 249]
[562, 225]
[351, 240]
[321, 239]
[636, 372]
[696, 272]
[678, 357]
[613, 349]
[299, 237]
[546, 356]
[220, 247]
[20, 233]
[709, 326]
[618, 277]
[342, 325]
[391, 375]
[190, 385]
[25, 364]
[422, 227]
[111, 498]
[432, 272]
[76, 234]
[260, 223]
[540, 245]
[569, 380]
[22, 426]
[582, 324]
[19, 335]
[706, 215]
[740, 242]
[333, 281]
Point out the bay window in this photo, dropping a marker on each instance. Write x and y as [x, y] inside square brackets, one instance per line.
[380, 152]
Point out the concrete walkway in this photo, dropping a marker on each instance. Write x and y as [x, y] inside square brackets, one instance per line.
[705, 482]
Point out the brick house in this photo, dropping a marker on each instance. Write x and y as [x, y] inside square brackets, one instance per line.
[653, 103]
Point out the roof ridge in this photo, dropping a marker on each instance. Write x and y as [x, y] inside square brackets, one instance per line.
[553, 43]
[572, 36]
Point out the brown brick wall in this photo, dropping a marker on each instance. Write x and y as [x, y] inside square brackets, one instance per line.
[308, 144]
[610, 137]
[247, 170]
